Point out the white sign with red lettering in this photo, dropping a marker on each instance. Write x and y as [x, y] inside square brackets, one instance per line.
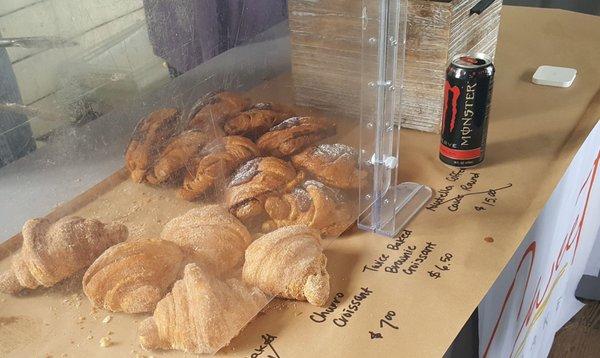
[535, 294]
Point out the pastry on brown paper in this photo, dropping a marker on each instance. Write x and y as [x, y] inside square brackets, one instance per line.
[176, 155]
[201, 314]
[211, 110]
[211, 236]
[333, 164]
[218, 160]
[294, 134]
[149, 138]
[52, 252]
[315, 205]
[289, 262]
[254, 181]
[133, 276]
[256, 121]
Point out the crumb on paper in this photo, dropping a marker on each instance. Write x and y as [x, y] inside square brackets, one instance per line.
[107, 319]
[109, 333]
[105, 342]
[90, 337]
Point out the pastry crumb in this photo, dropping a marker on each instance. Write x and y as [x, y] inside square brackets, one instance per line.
[107, 319]
[90, 337]
[105, 342]
[109, 333]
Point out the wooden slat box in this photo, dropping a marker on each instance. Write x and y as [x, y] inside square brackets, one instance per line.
[326, 53]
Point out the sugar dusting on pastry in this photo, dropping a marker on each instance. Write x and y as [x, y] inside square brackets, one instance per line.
[245, 173]
[288, 123]
[334, 151]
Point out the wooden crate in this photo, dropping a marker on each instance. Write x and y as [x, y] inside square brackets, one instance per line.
[326, 53]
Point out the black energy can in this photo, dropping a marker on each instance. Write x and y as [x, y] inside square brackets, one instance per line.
[467, 97]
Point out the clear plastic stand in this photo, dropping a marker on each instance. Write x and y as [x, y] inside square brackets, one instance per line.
[385, 207]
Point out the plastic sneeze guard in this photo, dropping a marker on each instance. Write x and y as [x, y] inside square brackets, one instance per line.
[384, 206]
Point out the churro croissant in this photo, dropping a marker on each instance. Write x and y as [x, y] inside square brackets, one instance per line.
[289, 262]
[313, 204]
[294, 134]
[211, 110]
[176, 155]
[256, 121]
[148, 139]
[211, 236]
[52, 252]
[254, 181]
[333, 164]
[133, 276]
[201, 314]
[219, 159]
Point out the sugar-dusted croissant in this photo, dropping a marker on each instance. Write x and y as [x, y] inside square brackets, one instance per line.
[176, 155]
[294, 134]
[201, 314]
[254, 181]
[315, 205]
[256, 121]
[211, 110]
[149, 138]
[211, 236]
[133, 276]
[333, 164]
[219, 159]
[289, 262]
[52, 252]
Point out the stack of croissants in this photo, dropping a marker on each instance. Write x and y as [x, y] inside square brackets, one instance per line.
[269, 162]
[207, 275]
[204, 279]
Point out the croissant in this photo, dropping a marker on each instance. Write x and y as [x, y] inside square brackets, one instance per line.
[211, 110]
[133, 276]
[176, 155]
[254, 181]
[333, 164]
[201, 314]
[294, 134]
[220, 158]
[256, 121]
[289, 262]
[312, 204]
[52, 252]
[148, 139]
[211, 236]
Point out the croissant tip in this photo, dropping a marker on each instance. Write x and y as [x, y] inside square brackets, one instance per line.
[9, 283]
[148, 332]
[316, 289]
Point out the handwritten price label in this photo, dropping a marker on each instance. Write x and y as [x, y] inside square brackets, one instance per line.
[441, 267]
[384, 323]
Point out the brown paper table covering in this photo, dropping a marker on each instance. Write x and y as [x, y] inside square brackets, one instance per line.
[386, 299]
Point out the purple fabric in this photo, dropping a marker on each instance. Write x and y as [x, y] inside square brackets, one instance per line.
[186, 33]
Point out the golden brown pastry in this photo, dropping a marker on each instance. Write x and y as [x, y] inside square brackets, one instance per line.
[256, 121]
[176, 155]
[133, 276]
[149, 138]
[312, 204]
[294, 134]
[289, 262]
[211, 236]
[333, 164]
[254, 181]
[201, 314]
[52, 252]
[219, 159]
[211, 110]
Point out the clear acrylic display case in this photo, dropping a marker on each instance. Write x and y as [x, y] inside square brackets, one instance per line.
[80, 79]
